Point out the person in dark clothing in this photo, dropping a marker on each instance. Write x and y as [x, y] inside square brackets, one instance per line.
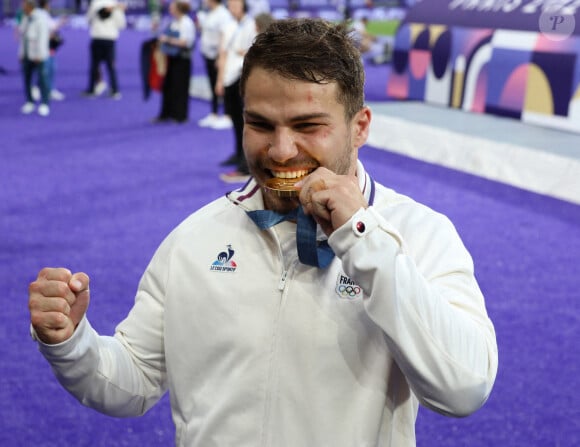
[176, 43]
[106, 19]
[239, 40]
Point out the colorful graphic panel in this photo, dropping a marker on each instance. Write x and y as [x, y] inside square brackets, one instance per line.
[486, 66]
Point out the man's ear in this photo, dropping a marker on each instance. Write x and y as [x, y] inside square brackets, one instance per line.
[361, 124]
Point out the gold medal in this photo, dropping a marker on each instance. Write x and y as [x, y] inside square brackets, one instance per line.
[283, 187]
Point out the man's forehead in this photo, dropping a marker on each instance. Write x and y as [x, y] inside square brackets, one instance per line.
[259, 79]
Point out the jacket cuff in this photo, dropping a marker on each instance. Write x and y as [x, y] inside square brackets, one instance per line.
[360, 226]
[65, 348]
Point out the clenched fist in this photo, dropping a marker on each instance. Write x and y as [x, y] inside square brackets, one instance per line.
[330, 198]
[57, 301]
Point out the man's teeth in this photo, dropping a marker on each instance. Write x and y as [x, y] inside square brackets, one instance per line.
[290, 174]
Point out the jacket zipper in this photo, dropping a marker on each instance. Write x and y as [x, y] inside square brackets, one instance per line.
[266, 432]
[284, 275]
[282, 283]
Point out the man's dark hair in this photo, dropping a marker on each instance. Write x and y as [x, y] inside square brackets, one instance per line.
[183, 7]
[310, 50]
[263, 21]
[104, 13]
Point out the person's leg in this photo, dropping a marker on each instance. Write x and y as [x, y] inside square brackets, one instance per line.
[167, 91]
[211, 69]
[94, 66]
[49, 69]
[27, 70]
[109, 57]
[55, 94]
[43, 74]
[35, 88]
[43, 108]
[235, 109]
[181, 99]
[212, 119]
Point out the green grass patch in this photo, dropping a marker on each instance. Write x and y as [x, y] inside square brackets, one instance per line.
[383, 27]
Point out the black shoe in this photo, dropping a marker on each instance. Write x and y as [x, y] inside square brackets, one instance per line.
[231, 161]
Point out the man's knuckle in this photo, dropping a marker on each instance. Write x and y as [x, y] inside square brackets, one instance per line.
[63, 307]
[36, 318]
[62, 289]
[33, 287]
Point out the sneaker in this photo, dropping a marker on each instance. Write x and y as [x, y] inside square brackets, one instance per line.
[88, 94]
[35, 93]
[43, 110]
[116, 96]
[100, 88]
[28, 108]
[208, 121]
[56, 95]
[235, 177]
[222, 122]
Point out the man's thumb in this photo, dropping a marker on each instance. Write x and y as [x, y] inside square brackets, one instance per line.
[79, 284]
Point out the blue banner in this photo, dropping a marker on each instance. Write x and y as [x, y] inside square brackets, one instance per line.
[557, 16]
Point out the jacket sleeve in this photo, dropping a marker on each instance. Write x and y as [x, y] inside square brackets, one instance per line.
[44, 38]
[37, 36]
[124, 375]
[21, 41]
[421, 290]
[120, 19]
[91, 13]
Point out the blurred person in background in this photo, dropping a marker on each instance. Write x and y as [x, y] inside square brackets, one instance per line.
[261, 21]
[33, 52]
[213, 24]
[361, 35]
[155, 8]
[239, 37]
[177, 44]
[55, 41]
[106, 19]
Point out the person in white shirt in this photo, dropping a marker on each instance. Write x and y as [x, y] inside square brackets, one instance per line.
[320, 314]
[238, 39]
[106, 19]
[33, 52]
[55, 41]
[177, 43]
[213, 23]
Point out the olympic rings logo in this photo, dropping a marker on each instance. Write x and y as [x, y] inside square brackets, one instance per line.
[348, 290]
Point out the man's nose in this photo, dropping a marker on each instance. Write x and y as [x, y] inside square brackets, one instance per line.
[283, 146]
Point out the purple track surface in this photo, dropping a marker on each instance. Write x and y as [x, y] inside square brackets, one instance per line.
[95, 187]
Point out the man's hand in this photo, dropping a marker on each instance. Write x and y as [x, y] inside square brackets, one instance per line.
[331, 199]
[57, 301]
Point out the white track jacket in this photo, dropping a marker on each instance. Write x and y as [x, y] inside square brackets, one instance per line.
[257, 349]
[35, 35]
